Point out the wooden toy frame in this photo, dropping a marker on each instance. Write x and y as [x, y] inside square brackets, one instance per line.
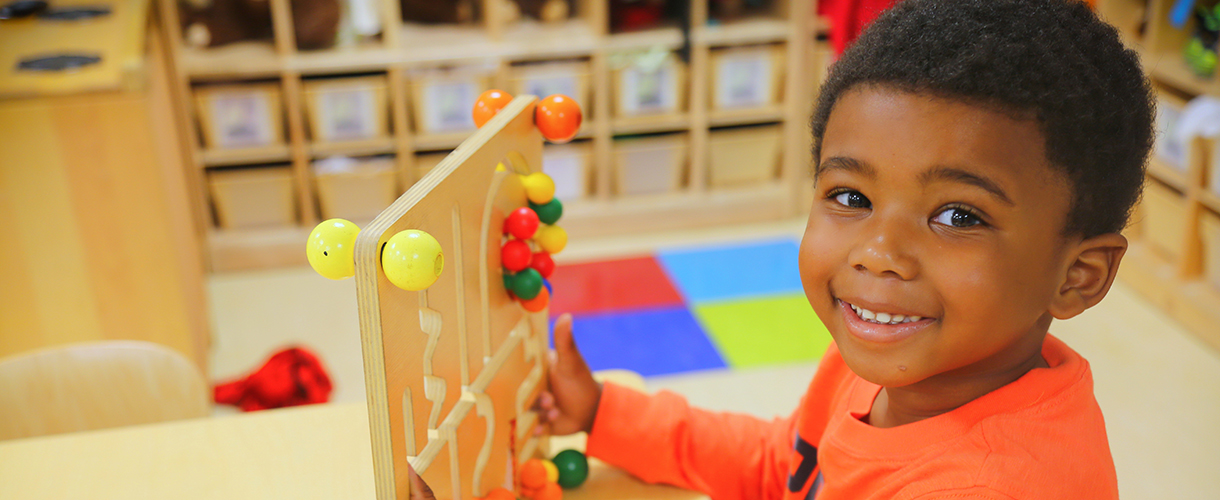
[452, 371]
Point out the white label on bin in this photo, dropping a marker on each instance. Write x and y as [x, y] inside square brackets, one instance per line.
[242, 120]
[649, 91]
[549, 85]
[448, 106]
[743, 80]
[568, 172]
[347, 115]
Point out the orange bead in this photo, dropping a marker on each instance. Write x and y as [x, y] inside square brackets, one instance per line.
[551, 491]
[488, 104]
[533, 474]
[537, 304]
[558, 118]
[500, 494]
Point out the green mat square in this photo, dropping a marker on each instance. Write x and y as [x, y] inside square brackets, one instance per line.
[764, 331]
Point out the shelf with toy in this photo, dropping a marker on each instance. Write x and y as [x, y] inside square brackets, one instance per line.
[1179, 54]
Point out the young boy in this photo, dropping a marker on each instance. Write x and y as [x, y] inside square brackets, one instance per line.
[975, 161]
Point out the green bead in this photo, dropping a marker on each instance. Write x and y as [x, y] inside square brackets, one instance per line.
[527, 283]
[573, 468]
[508, 280]
[550, 212]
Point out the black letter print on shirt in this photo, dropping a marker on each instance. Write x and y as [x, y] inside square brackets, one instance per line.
[809, 460]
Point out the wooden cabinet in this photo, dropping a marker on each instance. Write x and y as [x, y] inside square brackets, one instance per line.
[581, 52]
[99, 241]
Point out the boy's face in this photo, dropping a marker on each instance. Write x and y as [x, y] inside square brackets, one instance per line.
[941, 210]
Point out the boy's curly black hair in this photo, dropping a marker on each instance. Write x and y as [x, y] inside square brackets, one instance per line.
[1050, 60]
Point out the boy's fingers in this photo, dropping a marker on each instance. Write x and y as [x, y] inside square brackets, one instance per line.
[419, 489]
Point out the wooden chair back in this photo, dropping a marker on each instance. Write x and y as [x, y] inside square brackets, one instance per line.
[97, 385]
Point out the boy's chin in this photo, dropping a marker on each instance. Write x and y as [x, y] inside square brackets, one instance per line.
[880, 369]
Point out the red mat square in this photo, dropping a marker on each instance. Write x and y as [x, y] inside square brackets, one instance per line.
[611, 285]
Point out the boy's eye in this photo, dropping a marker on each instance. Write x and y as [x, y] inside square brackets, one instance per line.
[957, 217]
[853, 199]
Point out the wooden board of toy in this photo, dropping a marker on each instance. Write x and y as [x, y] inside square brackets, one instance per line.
[452, 370]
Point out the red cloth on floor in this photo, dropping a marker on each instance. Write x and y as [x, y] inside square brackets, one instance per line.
[292, 377]
[848, 18]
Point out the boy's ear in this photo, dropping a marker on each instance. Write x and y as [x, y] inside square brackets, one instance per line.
[1090, 272]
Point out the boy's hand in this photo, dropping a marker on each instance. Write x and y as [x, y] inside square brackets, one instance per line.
[571, 404]
[419, 489]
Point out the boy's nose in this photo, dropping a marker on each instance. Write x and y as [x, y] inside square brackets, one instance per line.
[885, 250]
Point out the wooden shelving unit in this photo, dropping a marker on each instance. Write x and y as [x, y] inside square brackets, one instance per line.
[404, 49]
[1174, 280]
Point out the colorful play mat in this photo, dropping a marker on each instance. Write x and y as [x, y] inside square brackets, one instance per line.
[734, 306]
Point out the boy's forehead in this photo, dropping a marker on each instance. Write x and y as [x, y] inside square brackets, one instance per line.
[884, 126]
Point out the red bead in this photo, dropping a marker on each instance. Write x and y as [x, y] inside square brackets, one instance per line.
[522, 223]
[488, 104]
[515, 255]
[543, 263]
[557, 117]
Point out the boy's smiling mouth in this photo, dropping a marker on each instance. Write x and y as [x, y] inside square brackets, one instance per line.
[879, 325]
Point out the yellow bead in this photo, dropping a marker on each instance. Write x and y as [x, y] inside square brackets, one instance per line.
[331, 249]
[500, 167]
[552, 239]
[539, 187]
[552, 472]
[412, 260]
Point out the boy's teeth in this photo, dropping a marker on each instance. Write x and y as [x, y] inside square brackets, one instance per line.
[883, 318]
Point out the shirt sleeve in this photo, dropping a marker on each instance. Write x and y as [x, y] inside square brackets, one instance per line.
[662, 439]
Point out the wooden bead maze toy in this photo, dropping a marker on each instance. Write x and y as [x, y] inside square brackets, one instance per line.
[453, 358]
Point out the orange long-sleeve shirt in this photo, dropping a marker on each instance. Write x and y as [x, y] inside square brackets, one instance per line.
[1040, 437]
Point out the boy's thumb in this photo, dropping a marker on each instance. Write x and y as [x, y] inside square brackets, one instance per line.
[565, 345]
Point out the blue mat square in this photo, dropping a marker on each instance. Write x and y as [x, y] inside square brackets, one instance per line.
[650, 341]
[734, 272]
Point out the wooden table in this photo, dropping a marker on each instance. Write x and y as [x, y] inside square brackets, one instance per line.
[302, 453]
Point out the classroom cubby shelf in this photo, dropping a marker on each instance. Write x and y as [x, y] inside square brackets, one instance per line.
[1168, 261]
[405, 51]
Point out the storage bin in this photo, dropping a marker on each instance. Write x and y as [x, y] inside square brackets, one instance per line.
[568, 165]
[442, 98]
[253, 197]
[743, 156]
[425, 162]
[567, 78]
[346, 109]
[746, 77]
[1164, 225]
[240, 116]
[648, 85]
[1167, 149]
[1211, 247]
[352, 189]
[649, 165]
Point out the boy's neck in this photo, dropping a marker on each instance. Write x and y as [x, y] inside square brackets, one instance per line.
[943, 393]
